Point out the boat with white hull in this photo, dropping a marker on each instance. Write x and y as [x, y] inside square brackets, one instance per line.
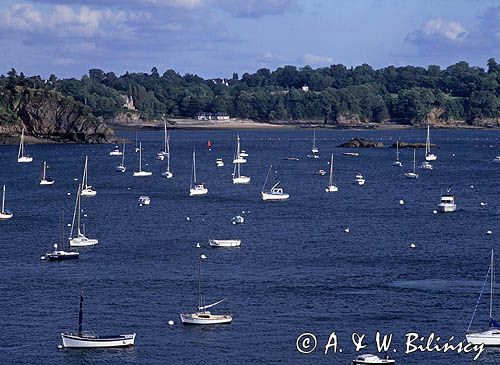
[429, 156]
[369, 359]
[413, 175]
[4, 213]
[87, 190]
[359, 180]
[490, 337]
[202, 316]
[61, 255]
[275, 193]
[89, 339]
[21, 157]
[238, 178]
[44, 179]
[121, 167]
[141, 172]
[447, 204]
[224, 243]
[80, 239]
[397, 162]
[196, 188]
[167, 174]
[331, 188]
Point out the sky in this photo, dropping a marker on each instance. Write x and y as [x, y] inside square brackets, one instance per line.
[214, 38]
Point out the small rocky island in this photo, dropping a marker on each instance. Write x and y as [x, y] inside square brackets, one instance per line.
[361, 143]
[412, 145]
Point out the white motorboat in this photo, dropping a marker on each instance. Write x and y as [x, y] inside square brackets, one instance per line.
[490, 337]
[397, 162]
[80, 239]
[447, 203]
[238, 219]
[87, 189]
[89, 339]
[275, 193]
[144, 200]
[219, 162]
[4, 213]
[369, 359]
[331, 188]
[352, 154]
[141, 173]
[121, 167]
[496, 159]
[196, 188]
[413, 175]
[44, 180]
[359, 180]
[243, 153]
[116, 152]
[426, 165]
[202, 316]
[314, 148]
[224, 243]
[21, 157]
[429, 156]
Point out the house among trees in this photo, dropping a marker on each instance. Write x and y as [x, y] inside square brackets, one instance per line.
[204, 116]
[305, 88]
[221, 116]
[210, 116]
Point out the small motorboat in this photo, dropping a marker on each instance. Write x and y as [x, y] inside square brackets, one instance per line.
[60, 255]
[447, 204]
[237, 219]
[320, 172]
[359, 180]
[121, 168]
[291, 158]
[144, 200]
[224, 243]
[372, 359]
[243, 153]
[313, 156]
[426, 165]
[352, 154]
[219, 162]
[116, 152]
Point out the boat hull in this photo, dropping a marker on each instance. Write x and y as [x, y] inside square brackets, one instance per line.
[88, 192]
[142, 173]
[274, 197]
[447, 208]
[397, 163]
[82, 242]
[241, 180]
[75, 341]
[197, 319]
[121, 168]
[332, 189]
[6, 215]
[46, 182]
[224, 243]
[167, 175]
[431, 157]
[490, 337]
[196, 192]
[25, 159]
[62, 256]
[411, 175]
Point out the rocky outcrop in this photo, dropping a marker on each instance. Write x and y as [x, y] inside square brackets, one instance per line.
[48, 115]
[362, 143]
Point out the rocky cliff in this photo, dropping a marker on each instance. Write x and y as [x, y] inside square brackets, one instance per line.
[48, 115]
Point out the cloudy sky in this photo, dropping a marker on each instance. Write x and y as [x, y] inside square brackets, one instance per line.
[214, 38]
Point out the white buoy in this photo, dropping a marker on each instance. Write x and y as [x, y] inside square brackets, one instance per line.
[75, 179]
[434, 211]
[413, 245]
[347, 230]
[489, 232]
[69, 194]
[198, 245]
[472, 186]
[42, 258]
[128, 188]
[85, 215]
[187, 218]
[68, 225]
[483, 204]
[453, 154]
[170, 323]
[59, 347]
[401, 202]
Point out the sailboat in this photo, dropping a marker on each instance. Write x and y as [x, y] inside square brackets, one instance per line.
[412, 175]
[44, 180]
[161, 155]
[397, 162]
[274, 193]
[121, 167]
[429, 156]
[87, 189]
[4, 213]
[195, 187]
[80, 240]
[20, 155]
[167, 174]
[237, 177]
[60, 254]
[331, 188]
[202, 316]
[141, 173]
[314, 148]
[490, 337]
[89, 339]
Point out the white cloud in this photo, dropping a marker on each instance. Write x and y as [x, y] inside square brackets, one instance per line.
[451, 30]
[316, 60]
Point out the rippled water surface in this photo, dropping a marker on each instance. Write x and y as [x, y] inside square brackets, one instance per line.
[296, 270]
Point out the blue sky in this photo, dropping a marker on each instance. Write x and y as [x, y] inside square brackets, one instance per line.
[214, 38]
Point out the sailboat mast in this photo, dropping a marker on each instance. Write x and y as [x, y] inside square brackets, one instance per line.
[199, 283]
[80, 316]
[140, 156]
[330, 183]
[267, 177]
[194, 166]
[20, 153]
[84, 179]
[44, 167]
[123, 154]
[427, 142]
[74, 213]
[491, 285]
[414, 159]
[165, 137]
[3, 200]
[397, 150]
[78, 200]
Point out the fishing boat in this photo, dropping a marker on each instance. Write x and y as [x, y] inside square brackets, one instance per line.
[429, 156]
[426, 165]
[447, 203]
[90, 339]
[141, 173]
[224, 243]
[195, 187]
[163, 153]
[412, 175]
[359, 180]
[121, 167]
[219, 162]
[87, 189]
[369, 359]
[144, 200]
[44, 180]
[80, 240]
[490, 337]
[4, 213]
[397, 162]
[238, 158]
[21, 157]
[202, 316]
[314, 148]
[275, 193]
[116, 152]
[167, 174]
[331, 188]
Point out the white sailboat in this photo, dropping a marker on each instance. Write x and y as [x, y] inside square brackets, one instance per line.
[121, 167]
[4, 213]
[87, 189]
[490, 337]
[413, 175]
[331, 188]
[238, 158]
[44, 180]
[141, 173]
[429, 156]
[89, 339]
[80, 240]
[167, 174]
[397, 162]
[163, 153]
[314, 148]
[202, 316]
[136, 148]
[195, 187]
[21, 157]
[60, 254]
[274, 193]
[237, 177]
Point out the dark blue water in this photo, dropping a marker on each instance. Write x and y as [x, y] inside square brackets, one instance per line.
[296, 271]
